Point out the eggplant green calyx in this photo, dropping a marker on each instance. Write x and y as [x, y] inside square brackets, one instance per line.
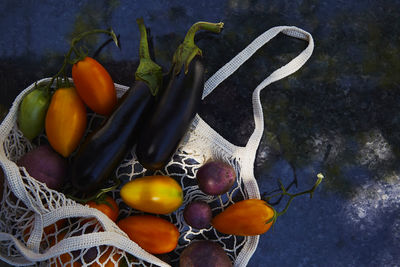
[187, 50]
[148, 71]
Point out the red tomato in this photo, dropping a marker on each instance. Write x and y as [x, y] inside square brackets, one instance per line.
[94, 86]
[65, 121]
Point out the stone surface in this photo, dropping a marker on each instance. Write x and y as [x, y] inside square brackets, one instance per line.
[339, 115]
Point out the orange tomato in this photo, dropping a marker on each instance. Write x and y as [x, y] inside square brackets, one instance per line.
[245, 218]
[153, 234]
[65, 121]
[154, 194]
[94, 85]
[48, 230]
[64, 259]
[110, 210]
[52, 228]
[106, 261]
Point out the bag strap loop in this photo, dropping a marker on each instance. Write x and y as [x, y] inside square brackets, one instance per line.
[291, 67]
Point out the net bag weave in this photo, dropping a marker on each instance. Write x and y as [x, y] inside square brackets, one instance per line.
[28, 206]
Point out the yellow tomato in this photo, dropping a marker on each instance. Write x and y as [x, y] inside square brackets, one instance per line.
[65, 121]
[155, 194]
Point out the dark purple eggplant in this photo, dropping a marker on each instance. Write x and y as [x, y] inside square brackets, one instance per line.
[171, 118]
[177, 105]
[106, 147]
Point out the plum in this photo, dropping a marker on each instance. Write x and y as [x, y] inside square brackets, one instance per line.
[204, 253]
[215, 177]
[45, 165]
[198, 214]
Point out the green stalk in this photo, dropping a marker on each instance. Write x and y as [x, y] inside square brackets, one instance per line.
[320, 177]
[61, 71]
[187, 50]
[99, 195]
[80, 54]
[148, 71]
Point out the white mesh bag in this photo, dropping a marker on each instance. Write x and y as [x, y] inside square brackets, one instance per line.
[28, 206]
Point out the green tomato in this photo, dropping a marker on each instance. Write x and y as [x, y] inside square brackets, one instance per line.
[32, 112]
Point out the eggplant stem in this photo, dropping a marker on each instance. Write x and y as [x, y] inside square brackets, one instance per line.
[202, 25]
[143, 44]
[148, 71]
[187, 50]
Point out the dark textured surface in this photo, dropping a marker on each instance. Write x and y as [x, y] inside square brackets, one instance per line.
[338, 115]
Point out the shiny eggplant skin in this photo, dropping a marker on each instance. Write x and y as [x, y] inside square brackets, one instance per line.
[105, 148]
[171, 117]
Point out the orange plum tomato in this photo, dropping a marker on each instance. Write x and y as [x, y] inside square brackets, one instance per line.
[94, 85]
[65, 121]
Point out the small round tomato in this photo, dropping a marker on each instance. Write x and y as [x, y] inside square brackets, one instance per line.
[94, 85]
[108, 206]
[154, 234]
[155, 194]
[32, 112]
[65, 121]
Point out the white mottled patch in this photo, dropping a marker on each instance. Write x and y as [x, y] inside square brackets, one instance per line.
[372, 200]
[374, 150]
[361, 212]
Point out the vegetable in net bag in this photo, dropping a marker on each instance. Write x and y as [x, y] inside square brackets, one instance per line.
[43, 227]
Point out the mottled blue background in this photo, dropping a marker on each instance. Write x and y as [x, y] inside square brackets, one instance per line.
[339, 115]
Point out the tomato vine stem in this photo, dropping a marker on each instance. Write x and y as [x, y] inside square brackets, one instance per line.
[291, 196]
[80, 55]
[99, 194]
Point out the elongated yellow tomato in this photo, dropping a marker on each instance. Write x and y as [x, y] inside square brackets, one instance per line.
[65, 121]
[245, 218]
[155, 194]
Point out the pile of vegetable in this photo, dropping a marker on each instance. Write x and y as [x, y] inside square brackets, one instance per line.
[152, 117]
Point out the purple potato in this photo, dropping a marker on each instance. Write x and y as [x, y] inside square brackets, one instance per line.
[45, 165]
[204, 253]
[215, 177]
[198, 214]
